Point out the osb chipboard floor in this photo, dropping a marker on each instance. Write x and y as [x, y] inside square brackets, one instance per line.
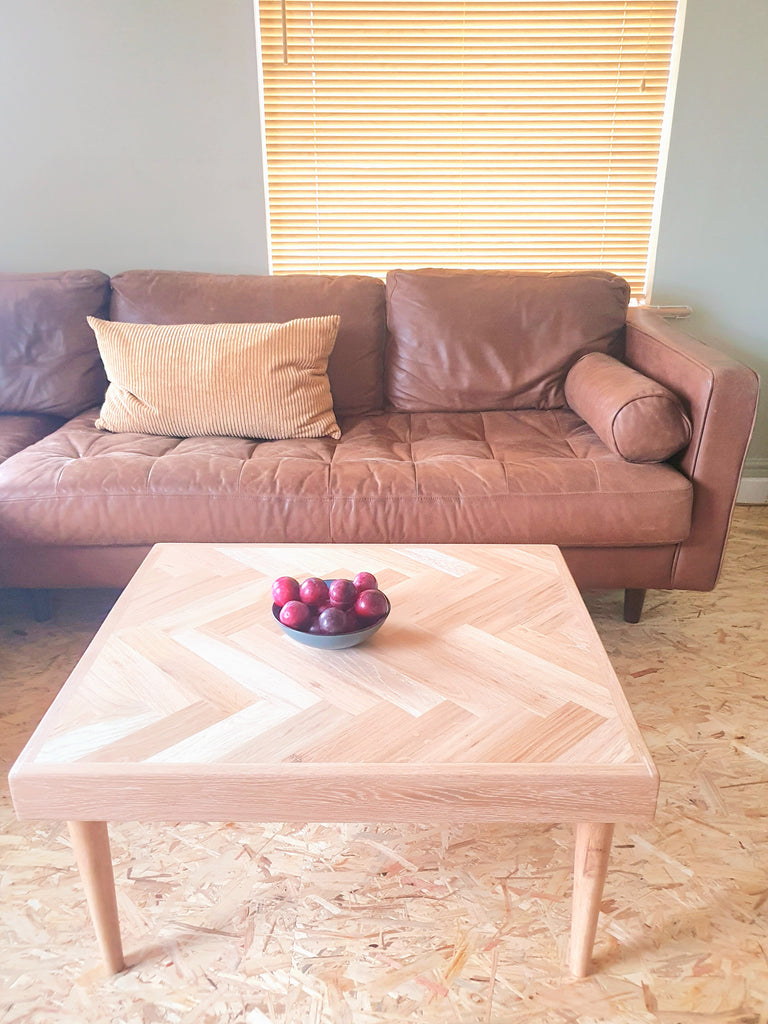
[384, 923]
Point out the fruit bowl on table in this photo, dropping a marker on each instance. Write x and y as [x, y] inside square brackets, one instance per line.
[338, 638]
[330, 641]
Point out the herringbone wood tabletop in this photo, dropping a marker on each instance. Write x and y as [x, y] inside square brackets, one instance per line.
[486, 695]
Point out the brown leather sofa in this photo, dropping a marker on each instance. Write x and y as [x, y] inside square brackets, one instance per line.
[450, 390]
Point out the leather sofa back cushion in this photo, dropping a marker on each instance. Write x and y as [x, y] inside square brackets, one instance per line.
[632, 415]
[469, 340]
[19, 432]
[232, 380]
[355, 368]
[49, 362]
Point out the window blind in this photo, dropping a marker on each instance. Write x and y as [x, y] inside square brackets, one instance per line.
[461, 133]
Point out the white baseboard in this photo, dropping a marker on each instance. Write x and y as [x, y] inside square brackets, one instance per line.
[753, 490]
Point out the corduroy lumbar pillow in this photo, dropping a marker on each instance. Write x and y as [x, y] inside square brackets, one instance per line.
[239, 380]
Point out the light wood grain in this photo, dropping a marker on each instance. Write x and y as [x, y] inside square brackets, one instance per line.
[488, 668]
[590, 866]
[90, 843]
[487, 696]
[338, 792]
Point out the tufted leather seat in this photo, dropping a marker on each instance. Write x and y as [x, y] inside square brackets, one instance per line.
[525, 476]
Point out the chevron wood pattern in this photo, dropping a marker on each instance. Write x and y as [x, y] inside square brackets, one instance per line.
[487, 695]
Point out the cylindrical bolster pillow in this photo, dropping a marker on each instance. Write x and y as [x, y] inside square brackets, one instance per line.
[633, 415]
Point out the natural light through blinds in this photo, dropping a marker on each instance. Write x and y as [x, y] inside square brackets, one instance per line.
[463, 134]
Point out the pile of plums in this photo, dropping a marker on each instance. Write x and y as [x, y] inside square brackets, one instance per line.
[329, 607]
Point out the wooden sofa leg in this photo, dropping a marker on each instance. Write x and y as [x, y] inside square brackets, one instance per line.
[42, 606]
[633, 605]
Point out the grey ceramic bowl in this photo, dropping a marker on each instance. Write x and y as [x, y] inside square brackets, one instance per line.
[331, 641]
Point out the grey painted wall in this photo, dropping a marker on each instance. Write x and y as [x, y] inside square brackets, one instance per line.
[130, 134]
[713, 235]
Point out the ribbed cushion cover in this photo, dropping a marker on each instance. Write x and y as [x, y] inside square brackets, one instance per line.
[634, 416]
[236, 380]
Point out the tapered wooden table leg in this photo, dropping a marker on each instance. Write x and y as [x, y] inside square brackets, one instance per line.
[90, 841]
[593, 847]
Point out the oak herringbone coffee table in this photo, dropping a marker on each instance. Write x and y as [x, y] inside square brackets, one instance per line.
[486, 696]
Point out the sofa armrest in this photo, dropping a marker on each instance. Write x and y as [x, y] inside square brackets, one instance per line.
[720, 396]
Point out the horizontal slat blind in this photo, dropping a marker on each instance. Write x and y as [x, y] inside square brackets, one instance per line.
[463, 134]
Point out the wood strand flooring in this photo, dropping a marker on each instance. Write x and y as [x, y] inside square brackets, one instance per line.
[372, 924]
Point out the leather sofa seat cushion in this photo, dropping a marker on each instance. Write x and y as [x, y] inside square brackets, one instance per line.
[522, 477]
[468, 340]
[355, 367]
[17, 432]
[636, 417]
[49, 362]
